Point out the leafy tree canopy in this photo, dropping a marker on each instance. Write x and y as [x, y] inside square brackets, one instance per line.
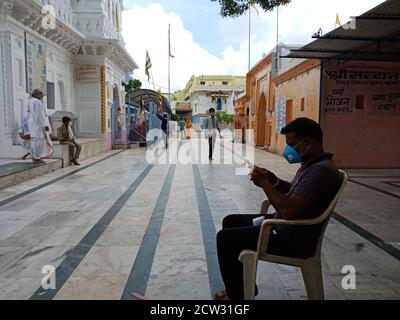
[236, 8]
[133, 85]
[224, 117]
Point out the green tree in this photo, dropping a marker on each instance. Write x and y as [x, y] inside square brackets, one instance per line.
[133, 85]
[228, 118]
[175, 117]
[224, 117]
[236, 8]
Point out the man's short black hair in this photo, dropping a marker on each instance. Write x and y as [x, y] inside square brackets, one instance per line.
[211, 110]
[65, 120]
[304, 128]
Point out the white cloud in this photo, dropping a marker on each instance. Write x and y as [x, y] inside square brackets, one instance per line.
[297, 23]
[147, 28]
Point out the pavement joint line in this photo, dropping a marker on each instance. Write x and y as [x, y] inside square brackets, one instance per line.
[209, 234]
[48, 183]
[393, 183]
[375, 189]
[140, 272]
[388, 248]
[76, 255]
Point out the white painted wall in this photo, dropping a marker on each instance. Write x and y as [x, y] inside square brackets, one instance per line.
[59, 70]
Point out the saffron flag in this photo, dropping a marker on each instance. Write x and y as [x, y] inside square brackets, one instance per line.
[160, 103]
[338, 23]
[148, 65]
[141, 114]
[169, 41]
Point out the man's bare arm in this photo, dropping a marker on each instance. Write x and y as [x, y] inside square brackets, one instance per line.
[289, 207]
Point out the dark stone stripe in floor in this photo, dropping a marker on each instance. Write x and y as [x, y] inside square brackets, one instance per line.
[389, 249]
[25, 193]
[209, 234]
[76, 255]
[140, 272]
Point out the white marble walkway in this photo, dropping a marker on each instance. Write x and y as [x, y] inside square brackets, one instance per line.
[45, 226]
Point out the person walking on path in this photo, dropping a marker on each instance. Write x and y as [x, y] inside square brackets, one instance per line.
[39, 127]
[211, 126]
[66, 137]
[182, 125]
[188, 129]
[164, 127]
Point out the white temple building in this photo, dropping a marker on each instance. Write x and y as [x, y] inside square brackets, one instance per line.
[71, 49]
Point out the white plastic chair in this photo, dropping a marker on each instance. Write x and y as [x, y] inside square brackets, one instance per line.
[310, 267]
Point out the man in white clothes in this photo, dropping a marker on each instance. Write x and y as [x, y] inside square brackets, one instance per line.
[25, 137]
[39, 128]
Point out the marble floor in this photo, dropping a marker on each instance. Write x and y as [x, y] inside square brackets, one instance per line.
[133, 222]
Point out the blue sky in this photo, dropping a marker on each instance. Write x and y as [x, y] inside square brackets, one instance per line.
[205, 43]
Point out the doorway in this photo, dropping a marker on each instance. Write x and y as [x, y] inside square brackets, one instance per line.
[261, 121]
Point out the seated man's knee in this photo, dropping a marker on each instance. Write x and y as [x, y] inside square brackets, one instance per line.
[221, 237]
[227, 221]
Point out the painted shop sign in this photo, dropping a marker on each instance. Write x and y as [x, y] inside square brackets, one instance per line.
[220, 95]
[280, 114]
[386, 101]
[36, 73]
[87, 73]
[348, 90]
[339, 101]
[183, 106]
[358, 77]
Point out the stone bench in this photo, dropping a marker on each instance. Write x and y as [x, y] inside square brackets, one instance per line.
[90, 148]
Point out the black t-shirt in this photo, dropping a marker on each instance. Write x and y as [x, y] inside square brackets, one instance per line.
[317, 181]
[164, 123]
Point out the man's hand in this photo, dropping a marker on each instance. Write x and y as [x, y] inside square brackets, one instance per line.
[258, 179]
[270, 176]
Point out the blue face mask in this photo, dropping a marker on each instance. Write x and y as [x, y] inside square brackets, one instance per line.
[291, 154]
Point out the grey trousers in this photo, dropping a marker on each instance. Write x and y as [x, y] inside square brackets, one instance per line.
[74, 149]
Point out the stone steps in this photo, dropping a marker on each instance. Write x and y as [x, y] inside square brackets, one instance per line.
[13, 172]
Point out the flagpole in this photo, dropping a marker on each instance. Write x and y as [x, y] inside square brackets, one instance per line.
[169, 63]
[277, 39]
[249, 35]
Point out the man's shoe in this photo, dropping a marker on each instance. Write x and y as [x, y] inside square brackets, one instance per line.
[75, 162]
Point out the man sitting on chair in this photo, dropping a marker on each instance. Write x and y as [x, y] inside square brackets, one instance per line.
[307, 196]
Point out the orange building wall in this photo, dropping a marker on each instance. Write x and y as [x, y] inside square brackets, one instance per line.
[240, 113]
[302, 84]
[257, 85]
